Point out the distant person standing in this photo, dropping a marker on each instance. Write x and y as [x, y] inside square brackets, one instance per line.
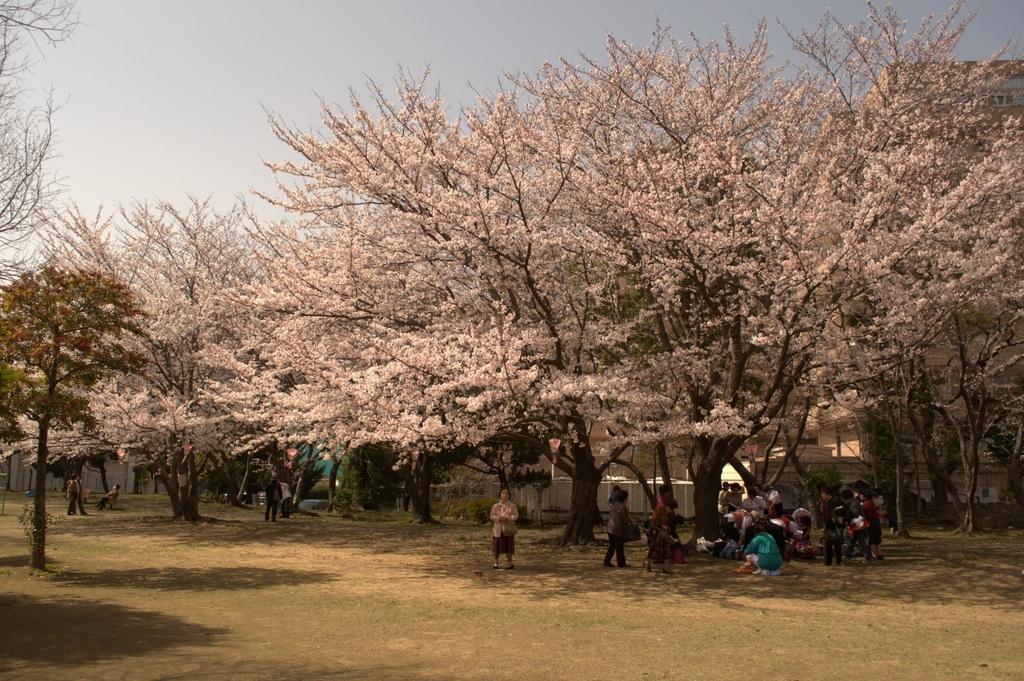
[613, 495]
[723, 499]
[664, 494]
[857, 534]
[286, 500]
[618, 526]
[273, 493]
[874, 517]
[504, 515]
[73, 492]
[833, 512]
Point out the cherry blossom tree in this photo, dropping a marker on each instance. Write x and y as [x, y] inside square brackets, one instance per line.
[445, 280]
[177, 263]
[668, 243]
[758, 212]
[939, 282]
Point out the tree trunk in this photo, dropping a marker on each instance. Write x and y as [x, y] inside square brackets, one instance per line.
[661, 452]
[419, 476]
[749, 479]
[583, 511]
[940, 493]
[901, 516]
[190, 509]
[39, 501]
[971, 460]
[179, 482]
[223, 462]
[298, 481]
[243, 486]
[332, 481]
[943, 487]
[1013, 467]
[707, 483]
[102, 468]
[652, 498]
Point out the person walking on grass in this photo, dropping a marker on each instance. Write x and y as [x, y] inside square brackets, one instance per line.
[273, 493]
[504, 515]
[618, 525]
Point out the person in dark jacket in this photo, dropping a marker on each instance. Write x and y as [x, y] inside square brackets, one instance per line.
[833, 511]
[273, 492]
[618, 524]
[874, 518]
[858, 526]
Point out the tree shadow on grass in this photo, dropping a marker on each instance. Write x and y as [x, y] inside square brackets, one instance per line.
[73, 632]
[14, 561]
[913, 573]
[977, 571]
[334, 668]
[190, 578]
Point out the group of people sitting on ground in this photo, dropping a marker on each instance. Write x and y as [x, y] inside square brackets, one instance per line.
[759, 531]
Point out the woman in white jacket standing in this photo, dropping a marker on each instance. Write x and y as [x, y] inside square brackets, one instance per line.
[504, 515]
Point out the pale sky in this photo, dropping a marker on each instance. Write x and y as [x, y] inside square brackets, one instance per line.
[160, 99]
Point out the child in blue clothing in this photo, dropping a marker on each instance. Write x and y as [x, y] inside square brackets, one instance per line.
[762, 552]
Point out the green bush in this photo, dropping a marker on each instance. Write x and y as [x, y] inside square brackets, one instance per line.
[477, 509]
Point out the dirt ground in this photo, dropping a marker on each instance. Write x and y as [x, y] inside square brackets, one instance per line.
[132, 595]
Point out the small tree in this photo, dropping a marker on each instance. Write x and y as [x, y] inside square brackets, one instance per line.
[64, 330]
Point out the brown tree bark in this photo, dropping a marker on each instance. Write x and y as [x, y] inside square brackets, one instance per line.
[583, 511]
[38, 558]
[332, 481]
[418, 486]
[707, 482]
[243, 486]
[661, 453]
[184, 498]
[652, 498]
[1013, 468]
[895, 416]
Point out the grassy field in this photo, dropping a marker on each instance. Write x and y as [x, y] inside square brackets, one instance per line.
[132, 595]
